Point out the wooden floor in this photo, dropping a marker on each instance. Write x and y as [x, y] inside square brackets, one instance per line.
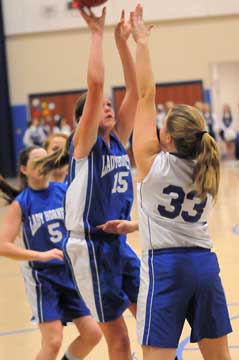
[20, 339]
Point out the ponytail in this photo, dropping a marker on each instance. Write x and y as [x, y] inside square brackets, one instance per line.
[56, 160]
[206, 174]
[7, 192]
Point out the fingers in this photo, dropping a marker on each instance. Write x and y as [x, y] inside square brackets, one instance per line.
[122, 17]
[103, 14]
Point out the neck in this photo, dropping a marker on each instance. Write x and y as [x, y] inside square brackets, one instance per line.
[105, 133]
[38, 184]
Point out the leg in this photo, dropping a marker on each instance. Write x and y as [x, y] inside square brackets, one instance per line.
[116, 336]
[90, 335]
[52, 333]
[214, 349]
[133, 309]
[154, 353]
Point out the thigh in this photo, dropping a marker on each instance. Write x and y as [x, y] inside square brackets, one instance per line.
[215, 349]
[51, 331]
[152, 353]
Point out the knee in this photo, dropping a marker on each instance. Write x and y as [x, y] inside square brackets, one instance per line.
[53, 343]
[120, 342]
[93, 336]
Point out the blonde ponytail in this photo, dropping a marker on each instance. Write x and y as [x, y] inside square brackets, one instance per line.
[206, 174]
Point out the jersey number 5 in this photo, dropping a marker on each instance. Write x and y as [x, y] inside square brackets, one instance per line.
[55, 233]
[177, 204]
[120, 182]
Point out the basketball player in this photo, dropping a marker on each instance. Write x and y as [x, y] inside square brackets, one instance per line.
[105, 268]
[178, 182]
[50, 289]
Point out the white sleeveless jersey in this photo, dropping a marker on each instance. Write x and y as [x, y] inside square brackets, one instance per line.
[170, 215]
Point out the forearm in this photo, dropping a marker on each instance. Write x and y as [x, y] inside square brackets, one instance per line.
[128, 65]
[14, 252]
[95, 73]
[145, 78]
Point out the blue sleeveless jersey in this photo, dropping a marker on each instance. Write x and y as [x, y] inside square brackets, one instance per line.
[43, 220]
[99, 188]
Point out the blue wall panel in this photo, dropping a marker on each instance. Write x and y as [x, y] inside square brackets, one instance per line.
[19, 124]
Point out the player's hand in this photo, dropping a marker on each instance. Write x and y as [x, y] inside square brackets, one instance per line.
[140, 30]
[123, 29]
[51, 254]
[119, 226]
[95, 23]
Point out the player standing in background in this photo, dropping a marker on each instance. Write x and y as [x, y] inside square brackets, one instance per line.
[50, 289]
[178, 182]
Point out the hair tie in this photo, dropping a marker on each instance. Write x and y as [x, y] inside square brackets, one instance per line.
[201, 133]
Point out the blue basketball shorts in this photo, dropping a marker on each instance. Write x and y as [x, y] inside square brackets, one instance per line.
[178, 284]
[106, 273]
[52, 294]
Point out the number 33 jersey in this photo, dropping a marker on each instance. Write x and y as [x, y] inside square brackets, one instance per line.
[170, 213]
[99, 188]
[43, 220]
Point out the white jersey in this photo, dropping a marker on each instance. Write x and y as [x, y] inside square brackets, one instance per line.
[170, 215]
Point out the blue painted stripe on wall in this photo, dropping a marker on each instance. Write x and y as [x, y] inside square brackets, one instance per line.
[19, 124]
[207, 96]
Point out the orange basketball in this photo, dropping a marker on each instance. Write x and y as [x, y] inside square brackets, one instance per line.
[90, 3]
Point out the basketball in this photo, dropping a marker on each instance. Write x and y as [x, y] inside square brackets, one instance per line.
[90, 3]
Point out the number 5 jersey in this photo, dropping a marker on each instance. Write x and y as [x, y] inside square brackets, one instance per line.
[43, 220]
[170, 213]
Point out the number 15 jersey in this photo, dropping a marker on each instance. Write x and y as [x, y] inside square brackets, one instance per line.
[99, 188]
[170, 213]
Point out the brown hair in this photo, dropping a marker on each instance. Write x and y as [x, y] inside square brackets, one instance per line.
[49, 139]
[8, 192]
[187, 128]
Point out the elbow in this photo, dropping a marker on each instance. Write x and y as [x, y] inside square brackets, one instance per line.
[147, 94]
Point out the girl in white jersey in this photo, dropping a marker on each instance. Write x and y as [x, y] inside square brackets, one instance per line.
[178, 180]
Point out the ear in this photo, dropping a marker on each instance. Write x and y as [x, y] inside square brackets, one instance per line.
[23, 169]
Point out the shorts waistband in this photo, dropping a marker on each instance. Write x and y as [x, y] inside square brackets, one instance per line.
[179, 250]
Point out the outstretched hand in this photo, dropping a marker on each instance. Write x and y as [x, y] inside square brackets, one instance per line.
[123, 28]
[119, 226]
[95, 23]
[140, 30]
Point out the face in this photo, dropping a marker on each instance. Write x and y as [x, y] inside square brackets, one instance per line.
[56, 143]
[107, 116]
[31, 172]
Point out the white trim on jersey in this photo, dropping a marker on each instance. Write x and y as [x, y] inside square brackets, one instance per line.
[76, 197]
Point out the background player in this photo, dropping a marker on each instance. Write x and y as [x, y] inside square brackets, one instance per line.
[51, 292]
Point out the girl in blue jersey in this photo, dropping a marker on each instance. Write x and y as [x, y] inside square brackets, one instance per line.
[38, 209]
[105, 268]
[178, 180]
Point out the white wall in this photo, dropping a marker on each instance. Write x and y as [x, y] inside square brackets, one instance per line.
[27, 16]
[181, 50]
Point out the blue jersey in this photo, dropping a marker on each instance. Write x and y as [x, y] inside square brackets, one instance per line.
[43, 220]
[99, 189]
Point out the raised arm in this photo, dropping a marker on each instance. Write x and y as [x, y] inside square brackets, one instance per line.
[126, 113]
[145, 141]
[87, 128]
[9, 231]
